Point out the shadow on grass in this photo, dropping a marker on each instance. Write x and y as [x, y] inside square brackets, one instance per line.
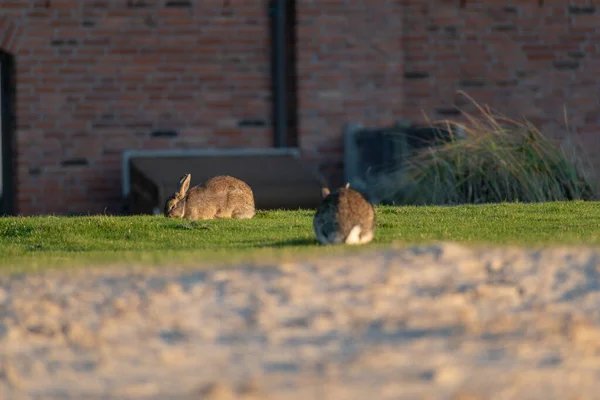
[190, 226]
[296, 243]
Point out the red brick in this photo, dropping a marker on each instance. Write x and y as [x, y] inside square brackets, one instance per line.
[352, 60]
[115, 67]
[14, 4]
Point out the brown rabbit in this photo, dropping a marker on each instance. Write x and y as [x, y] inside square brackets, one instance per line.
[219, 197]
[344, 216]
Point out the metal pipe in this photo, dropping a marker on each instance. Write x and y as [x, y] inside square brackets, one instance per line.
[277, 11]
[7, 133]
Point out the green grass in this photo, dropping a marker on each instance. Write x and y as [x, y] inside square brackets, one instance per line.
[30, 243]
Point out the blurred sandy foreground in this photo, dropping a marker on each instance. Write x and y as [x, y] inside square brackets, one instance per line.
[429, 322]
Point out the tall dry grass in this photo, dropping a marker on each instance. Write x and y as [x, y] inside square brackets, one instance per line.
[499, 160]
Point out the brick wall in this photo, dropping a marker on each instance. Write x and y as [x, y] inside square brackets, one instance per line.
[96, 77]
[350, 68]
[376, 61]
[533, 59]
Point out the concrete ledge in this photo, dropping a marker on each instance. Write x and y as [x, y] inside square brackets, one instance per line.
[277, 176]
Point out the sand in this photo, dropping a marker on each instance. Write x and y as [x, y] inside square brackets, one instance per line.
[428, 322]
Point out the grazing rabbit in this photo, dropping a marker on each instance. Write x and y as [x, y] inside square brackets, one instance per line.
[344, 216]
[219, 197]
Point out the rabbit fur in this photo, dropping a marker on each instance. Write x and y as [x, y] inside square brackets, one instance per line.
[344, 217]
[221, 196]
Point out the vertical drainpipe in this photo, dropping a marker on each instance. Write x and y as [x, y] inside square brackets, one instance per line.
[277, 14]
[7, 133]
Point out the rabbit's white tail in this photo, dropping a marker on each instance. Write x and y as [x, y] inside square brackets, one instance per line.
[355, 237]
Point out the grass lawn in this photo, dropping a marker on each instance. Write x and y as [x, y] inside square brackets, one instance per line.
[30, 243]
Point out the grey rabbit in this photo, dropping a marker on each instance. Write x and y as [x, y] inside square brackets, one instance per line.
[344, 217]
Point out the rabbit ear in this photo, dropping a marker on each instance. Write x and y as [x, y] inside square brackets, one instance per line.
[347, 185]
[184, 185]
[325, 192]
